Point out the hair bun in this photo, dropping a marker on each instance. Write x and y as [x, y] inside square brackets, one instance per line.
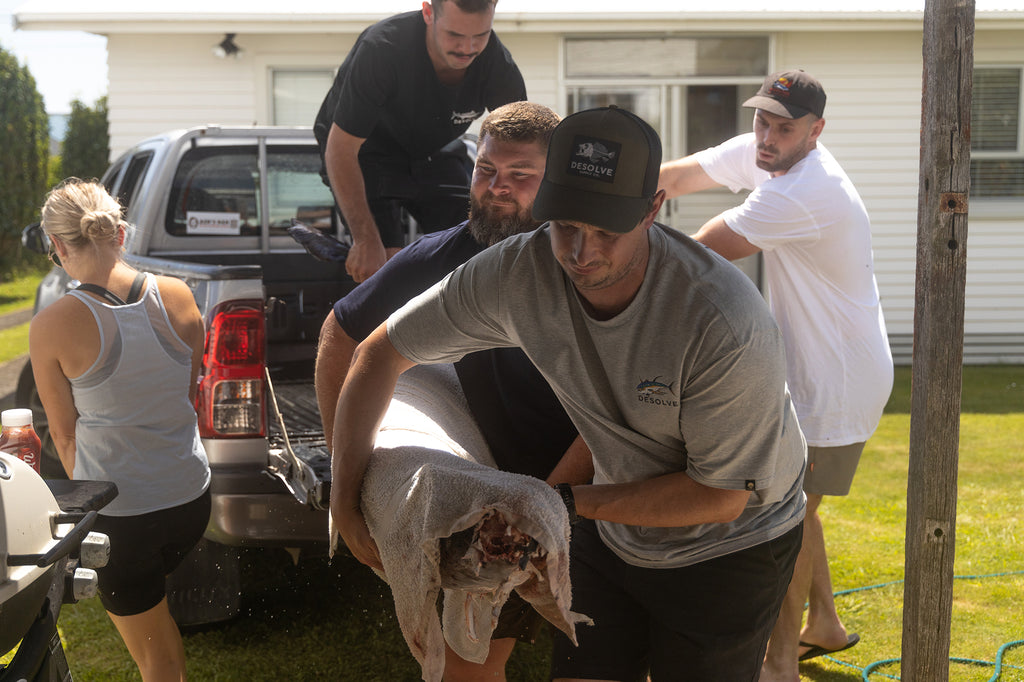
[99, 225]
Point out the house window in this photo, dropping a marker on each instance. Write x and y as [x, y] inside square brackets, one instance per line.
[997, 140]
[297, 95]
[666, 58]
[644, 102]
[691, 89]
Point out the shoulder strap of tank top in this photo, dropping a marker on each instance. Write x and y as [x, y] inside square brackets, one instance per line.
[133, 293]
[110, 297]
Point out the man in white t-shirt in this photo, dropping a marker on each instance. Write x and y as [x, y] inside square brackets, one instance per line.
[807, 219]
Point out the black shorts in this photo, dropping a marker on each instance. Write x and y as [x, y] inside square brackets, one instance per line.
[707, 621]
[435, 191]
[144, 549]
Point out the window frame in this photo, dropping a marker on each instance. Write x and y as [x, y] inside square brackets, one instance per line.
[266, 234]
[673, 116]
[272, 101]
[990, 204]
[266, 63]
[672, 89]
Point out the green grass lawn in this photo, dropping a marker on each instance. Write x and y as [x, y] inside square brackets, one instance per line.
[13, 342]
[18, 294]
[865, 537]
[336, 622]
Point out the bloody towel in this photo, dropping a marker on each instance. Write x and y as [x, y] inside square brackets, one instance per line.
[424, 484]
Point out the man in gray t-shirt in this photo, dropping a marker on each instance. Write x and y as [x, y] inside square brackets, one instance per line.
[669, 363]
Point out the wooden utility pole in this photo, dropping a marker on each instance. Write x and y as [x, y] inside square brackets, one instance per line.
[938, 338]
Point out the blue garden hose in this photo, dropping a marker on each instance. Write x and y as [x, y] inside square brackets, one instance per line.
[872, 668]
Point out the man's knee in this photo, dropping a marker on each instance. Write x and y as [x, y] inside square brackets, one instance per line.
[327, 333]
[458, 669]
[328, 348]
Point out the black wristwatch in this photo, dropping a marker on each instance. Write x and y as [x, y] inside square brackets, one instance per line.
[565, 490]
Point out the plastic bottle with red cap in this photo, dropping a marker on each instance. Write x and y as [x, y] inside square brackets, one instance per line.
[18, 438]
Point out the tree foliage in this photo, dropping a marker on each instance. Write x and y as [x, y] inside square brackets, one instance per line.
[86, 149]
[24, 153]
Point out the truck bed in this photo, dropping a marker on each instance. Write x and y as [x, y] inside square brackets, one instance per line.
[297, 402]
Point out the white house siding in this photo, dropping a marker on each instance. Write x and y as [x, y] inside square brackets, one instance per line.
[162, 82]
[873, 78]
[537, 56]
[995, 246]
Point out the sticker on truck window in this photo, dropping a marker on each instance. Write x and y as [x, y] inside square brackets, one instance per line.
[209, 222]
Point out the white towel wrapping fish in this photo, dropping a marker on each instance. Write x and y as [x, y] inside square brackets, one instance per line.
[432, 476]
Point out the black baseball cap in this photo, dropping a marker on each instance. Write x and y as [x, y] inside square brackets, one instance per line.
[602, 170]
[792, 94]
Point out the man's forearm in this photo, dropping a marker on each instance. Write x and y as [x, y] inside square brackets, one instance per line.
[719, 237]
[365, 397]
[341, 157]
[346, 177]
[668, 501]
[683, 176]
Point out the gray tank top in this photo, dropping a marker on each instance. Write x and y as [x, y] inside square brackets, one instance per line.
[136, 426]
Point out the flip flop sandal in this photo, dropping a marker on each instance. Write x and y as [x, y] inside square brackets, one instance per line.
[814, 650]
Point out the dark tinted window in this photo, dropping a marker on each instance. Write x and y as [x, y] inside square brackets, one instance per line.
[216, 191]
[136, 169]
[110, 177]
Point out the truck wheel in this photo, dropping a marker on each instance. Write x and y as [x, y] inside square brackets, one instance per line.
[207, 586]
[27, 396]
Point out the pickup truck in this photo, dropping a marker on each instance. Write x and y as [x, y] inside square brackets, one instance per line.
[212, 206]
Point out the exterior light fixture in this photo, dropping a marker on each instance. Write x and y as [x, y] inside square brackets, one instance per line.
[227, 47]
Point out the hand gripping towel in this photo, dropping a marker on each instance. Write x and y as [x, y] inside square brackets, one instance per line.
[443, 520]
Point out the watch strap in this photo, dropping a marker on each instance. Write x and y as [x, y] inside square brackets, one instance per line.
[565, 490]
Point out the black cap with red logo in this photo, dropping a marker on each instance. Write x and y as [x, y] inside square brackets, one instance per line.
[791, 94]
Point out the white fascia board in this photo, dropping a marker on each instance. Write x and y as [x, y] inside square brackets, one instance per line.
[561, 16]
[136, 23]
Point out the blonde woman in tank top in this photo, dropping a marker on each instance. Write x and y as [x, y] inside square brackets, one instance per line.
[115, 362]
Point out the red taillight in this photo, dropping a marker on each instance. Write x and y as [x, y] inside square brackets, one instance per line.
[230, 401]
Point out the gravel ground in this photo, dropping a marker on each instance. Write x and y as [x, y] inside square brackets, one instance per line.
[15, 318]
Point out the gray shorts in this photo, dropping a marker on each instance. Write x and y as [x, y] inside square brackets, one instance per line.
[830, 470]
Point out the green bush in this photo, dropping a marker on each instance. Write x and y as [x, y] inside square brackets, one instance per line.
[86, 148]
[56, 171]
[24, 141]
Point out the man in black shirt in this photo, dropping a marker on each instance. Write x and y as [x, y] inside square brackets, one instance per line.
[389, 127]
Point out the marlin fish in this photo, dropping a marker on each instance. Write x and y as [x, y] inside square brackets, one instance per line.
[595, 152]
[654, 387]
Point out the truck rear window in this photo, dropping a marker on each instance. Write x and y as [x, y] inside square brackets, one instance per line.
[216, 191]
